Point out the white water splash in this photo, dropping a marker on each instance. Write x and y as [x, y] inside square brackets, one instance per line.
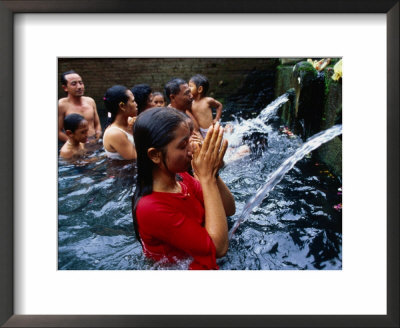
[257, 124]
[312, 143]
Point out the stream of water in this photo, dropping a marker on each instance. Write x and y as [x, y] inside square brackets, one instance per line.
[311, 144]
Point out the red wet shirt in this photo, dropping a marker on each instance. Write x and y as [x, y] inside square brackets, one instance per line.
[171, 225]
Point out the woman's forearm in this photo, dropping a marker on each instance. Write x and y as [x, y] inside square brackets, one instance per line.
[227, 198]
[215, 217]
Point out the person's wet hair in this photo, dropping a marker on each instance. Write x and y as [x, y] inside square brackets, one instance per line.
[201, 80]
[141, 93]
[63, 79]
[112, 98]
[72, 121]
[173, 87]
[154, 128]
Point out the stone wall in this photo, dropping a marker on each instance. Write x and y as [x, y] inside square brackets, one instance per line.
[226, 75]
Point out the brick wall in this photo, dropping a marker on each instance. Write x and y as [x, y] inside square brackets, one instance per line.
[226, 75]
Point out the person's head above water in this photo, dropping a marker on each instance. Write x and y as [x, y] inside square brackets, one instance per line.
[154, 129]
[143, 96]
[72, 121]
[117, 100]
[178, 93]
[72, 83]
[199, 84]
[158, 99]
[63, 76]
[76, 127]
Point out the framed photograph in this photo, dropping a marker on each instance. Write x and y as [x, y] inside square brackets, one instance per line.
[35, 35]
[95, 193]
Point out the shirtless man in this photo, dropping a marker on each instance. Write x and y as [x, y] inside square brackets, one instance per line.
[75, 102]
[178, 93]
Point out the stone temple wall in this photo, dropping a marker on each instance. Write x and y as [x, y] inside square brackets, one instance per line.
[226, 75]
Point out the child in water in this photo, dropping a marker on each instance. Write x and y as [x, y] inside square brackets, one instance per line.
[76, 128]
[158, 99]
[202, 106]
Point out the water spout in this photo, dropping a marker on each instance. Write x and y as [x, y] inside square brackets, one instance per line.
[312, 143]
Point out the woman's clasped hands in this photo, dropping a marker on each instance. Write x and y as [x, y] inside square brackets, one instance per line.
[208, 155]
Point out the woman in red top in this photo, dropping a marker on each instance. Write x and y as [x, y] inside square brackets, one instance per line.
[175, 215]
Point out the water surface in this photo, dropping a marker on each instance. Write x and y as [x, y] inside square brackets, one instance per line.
[295, 226]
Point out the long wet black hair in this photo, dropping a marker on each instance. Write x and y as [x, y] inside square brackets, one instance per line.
[113, 98]
[154, 128]
[141, 93]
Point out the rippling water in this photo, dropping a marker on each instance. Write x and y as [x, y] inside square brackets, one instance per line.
[295, 227]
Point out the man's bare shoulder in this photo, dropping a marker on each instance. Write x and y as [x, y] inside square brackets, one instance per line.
[84, 98]
[88, 100]
[62, 101]
[63, 104]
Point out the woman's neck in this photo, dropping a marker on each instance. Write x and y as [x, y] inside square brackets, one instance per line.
[121, 121]
[165, 182]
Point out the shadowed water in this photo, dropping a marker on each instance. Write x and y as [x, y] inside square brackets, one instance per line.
[294, 227]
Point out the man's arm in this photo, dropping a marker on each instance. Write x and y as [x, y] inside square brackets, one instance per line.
[96, 120]
[61, 115]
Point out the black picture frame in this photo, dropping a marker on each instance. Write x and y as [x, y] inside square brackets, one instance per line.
[11, 7]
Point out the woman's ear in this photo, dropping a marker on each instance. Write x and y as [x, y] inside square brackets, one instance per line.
[122, 106]
[155, 155]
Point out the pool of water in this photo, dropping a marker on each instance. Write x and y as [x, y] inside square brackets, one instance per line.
[296, 227]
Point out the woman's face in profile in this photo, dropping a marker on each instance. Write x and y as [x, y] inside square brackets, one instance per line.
[179, 150]
[131, 104]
